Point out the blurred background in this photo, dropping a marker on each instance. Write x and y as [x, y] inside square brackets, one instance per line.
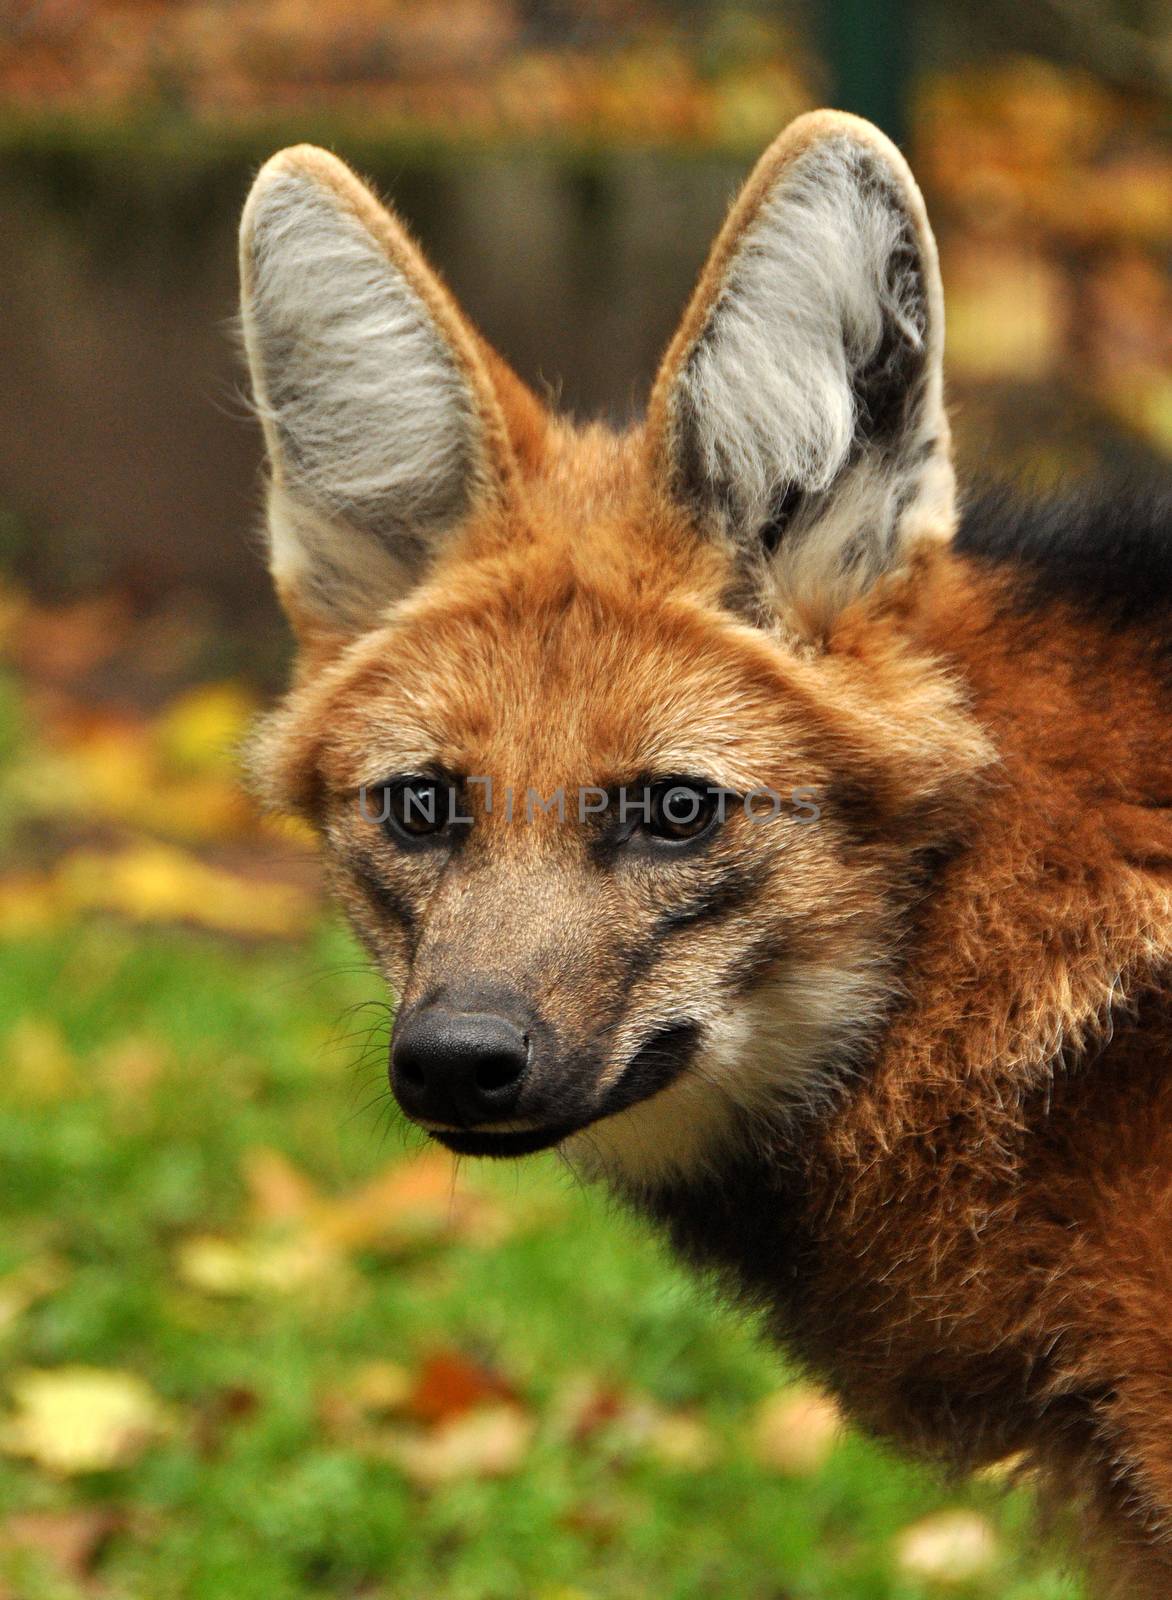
[253, 1340]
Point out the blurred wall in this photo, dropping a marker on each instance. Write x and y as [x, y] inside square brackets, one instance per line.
[130, 457]
[130, 454]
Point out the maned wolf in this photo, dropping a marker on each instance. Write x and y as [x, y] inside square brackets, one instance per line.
[724, 809]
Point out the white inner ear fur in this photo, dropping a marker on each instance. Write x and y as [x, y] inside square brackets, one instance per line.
[370, 424]
[831, 265]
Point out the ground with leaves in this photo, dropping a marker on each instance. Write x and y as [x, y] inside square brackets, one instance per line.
[256, 1343]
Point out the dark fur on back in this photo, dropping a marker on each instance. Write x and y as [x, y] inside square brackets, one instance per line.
[1105, 550]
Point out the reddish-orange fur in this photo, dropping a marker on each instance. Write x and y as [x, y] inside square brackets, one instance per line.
[975, 1229]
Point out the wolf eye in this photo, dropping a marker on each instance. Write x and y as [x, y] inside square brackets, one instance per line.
[679, 810]
[417, 808]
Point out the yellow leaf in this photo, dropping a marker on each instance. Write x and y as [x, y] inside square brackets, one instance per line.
[380, 1386]
[82, 1419]
[116, 771]
[300, 1237]
[682, 1441]
[28, 1283]
[38, 1064]
[414, 1201]
[490, 1442]
[158, 883]
[253, 1267]
[204, 807]
[202, 729]
[948, 1548]
[29, 904]
[374, 1392]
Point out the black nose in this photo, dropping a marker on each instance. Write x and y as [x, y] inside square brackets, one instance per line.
[458, 1067]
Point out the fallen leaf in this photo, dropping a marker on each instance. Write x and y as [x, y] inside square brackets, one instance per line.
[28, 1283]
[795, 1431]
[374, 1392]
[113, 767]
[450, 1384]
[220, 1411]
[584, 1406]
[71, 1540]
[683, 1441]
[300, 1237]
[158, 883]
[132, 1066]
[948, 1548]
[380, 1386]
[412, 1202]
[82, 1419]
[29, 903]
[489, 1442]
[630, 1424]
[280, 1193]
[253, 1267]
[39, 1066]
[202, 729]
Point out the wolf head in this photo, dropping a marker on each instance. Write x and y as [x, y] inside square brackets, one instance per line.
[624, 770]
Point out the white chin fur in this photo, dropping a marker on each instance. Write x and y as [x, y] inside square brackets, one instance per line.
[780, 1053]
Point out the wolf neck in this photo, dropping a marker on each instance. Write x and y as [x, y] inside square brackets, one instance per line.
[863, 1232]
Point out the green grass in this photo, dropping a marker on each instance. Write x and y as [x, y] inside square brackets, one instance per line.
[277, 1505]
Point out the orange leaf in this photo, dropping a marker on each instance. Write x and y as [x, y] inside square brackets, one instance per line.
[449, 1384]
[279, 1192]
[413, 1201]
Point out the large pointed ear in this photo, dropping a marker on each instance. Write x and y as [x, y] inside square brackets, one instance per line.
[798, 413]
[384, 427]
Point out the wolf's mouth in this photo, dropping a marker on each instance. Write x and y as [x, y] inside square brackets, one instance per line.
[522, 1142]
[659, 1060]
[657, 1063]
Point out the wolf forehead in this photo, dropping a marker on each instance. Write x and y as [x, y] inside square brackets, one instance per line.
[479, 584]
[531, 672]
